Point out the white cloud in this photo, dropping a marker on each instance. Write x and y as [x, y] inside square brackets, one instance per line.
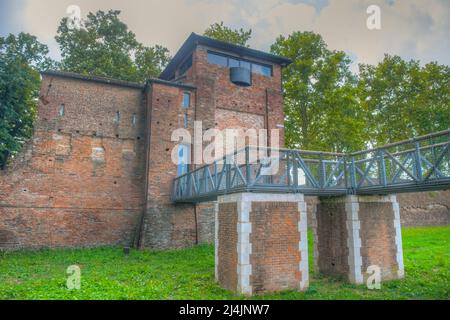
[410, 28]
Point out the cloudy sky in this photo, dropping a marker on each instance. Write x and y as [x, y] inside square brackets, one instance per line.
[417, 29]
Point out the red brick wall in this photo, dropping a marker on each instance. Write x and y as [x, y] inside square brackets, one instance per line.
[267, 257]
[62, 193]
[425, 208]
[217, 94]
[416, 209]
[371, 222]
[227, 248]
[238, 120]
[332, 238]
[378, 238]
[221, 104]
[205, 222]
[166, 225]
[275, 240]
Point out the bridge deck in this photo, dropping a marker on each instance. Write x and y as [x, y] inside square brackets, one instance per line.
[419, 164]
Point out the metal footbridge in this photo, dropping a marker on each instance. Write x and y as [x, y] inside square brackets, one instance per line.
[419, 164]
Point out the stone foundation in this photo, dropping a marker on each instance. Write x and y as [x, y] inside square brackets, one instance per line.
[352, 233]
[261, 243]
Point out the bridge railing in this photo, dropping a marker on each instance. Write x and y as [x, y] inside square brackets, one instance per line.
[413, 165]
[418, 164]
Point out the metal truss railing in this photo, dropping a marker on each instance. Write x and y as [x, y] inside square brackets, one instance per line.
[419, 164]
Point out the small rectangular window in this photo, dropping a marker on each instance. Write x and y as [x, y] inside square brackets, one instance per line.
[217, 59]
[117, 117]
[245, 64]
[229, 61]
[183, 159]
[262, 69]
[186, 100]
[62, 110]
[233, 62]
[134, 119]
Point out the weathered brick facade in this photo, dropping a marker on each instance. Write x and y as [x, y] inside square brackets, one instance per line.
[98, 169]
[352, 233]
[261, 243]
[276, 258]
[417, 209]
[80, 180]
[425, 208]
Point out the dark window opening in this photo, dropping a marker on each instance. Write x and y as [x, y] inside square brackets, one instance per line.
[233, 62]
[262, 69]
[245, 65]
[228, 61]
[218, 59]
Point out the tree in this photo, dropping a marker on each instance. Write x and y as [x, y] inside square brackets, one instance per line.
[321, 102]
[221, 32]
[21, 57]
[103, 46]
[150, 61]
[403, 99]
[432, 109]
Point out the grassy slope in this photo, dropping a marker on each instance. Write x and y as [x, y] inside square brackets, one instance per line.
[189, 274]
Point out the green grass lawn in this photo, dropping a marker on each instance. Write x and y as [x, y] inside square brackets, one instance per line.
[189, 274]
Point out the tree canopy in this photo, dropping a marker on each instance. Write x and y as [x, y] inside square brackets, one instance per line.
[21, 57]
[403, 99]
[329, 108]
[321, 105]
[104, 46]
[221, 32]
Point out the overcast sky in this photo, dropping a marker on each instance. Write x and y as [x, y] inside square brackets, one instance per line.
[416, 29]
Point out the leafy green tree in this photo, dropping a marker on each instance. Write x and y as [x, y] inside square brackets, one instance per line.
[21, 57]
[403, 99]
[103, 46]
[221, 32]
[150, 61]
[432, 108]
[321, 102]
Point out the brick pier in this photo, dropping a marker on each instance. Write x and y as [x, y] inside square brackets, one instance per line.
[354, 232]
[261, 243]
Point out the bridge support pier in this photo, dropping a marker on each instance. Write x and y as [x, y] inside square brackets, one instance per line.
[353, 233]
[261, 242]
